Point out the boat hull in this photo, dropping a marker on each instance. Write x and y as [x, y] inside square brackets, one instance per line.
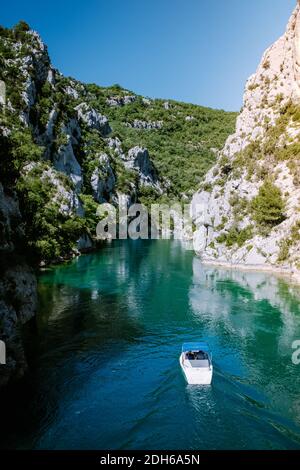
[195, 375]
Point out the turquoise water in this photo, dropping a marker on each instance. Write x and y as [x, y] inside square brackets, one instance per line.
[105, 346]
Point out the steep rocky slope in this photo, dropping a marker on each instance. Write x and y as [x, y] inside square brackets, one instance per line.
[66, 147]
[247, 209]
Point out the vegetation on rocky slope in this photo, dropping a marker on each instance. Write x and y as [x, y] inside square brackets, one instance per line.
[65, 145]
[249, 202]
[185, 147]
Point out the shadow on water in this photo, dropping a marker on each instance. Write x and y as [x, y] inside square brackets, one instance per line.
[104, 349]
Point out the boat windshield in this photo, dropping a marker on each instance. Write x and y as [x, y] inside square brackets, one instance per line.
[198, 356]
[196, 347]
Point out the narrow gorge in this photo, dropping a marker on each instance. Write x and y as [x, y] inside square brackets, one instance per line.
[149, 247]
[67, 147]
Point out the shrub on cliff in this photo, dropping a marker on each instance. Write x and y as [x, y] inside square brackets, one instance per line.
[268, 207]
[49, 233]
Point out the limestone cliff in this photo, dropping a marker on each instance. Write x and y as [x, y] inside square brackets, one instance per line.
[57, 141]
[247, 210]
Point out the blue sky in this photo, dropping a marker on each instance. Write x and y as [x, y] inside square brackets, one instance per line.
[199, 51]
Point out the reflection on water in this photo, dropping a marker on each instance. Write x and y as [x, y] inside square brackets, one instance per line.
[254, 287]
[261, 314]
[104, 354]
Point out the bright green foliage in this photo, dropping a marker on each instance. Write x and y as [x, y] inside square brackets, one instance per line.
[24, 148]
[49, 233]
[276, 146]
[125, 179]
[287, 243]
[182, 150]
[284, 250]
[236, 236]
[90, 208]
[223, 223]
[268, 207]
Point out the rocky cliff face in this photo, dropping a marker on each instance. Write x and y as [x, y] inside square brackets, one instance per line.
[56, 162]
[17, 286]
[247, 210]
[62, 147]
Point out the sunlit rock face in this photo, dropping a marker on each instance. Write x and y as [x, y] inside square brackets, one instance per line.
[93, 119]
[103, 179]
[277, 74]
[297, 49]
[262, 149]
[138, 159]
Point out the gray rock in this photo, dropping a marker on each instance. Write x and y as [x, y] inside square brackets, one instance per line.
[93, 119]
[275, 84]
[50, 124]
[72, 131]
[72, 92]
[66, 162]
[116, 145]
[2, 93]
[116, 101]
[67, 199]
[147, 125]
[146, 101]
[29, 93]
[51, 76]
[138, 159]
[103, 179]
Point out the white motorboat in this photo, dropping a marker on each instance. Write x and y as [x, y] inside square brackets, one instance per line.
[196, 363]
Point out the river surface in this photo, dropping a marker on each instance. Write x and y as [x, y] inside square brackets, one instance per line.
[104, 355]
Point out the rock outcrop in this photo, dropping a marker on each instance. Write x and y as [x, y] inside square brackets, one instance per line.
[247, 210]
[138, 159]
[103, 179]
[93, 119]
[66, 162]
[64, 198]
[147, 125]
[116, 146]
[2, 93]
[115, 101]
[17, 286]
[275, 82]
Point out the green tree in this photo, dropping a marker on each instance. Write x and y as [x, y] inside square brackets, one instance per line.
[22, 26]
[268, 207]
